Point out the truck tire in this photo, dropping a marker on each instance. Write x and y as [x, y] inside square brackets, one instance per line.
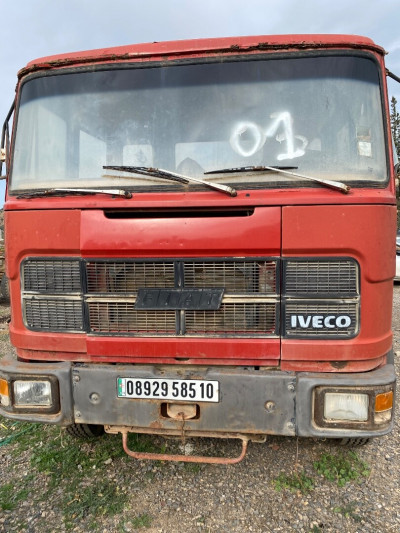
[4, 288]
[85, 431]
[352, 441]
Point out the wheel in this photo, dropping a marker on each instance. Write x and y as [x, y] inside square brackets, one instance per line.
[4, 288]
[85, 431]
[352, 441]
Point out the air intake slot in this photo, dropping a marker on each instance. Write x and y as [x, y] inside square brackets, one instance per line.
[177, 213]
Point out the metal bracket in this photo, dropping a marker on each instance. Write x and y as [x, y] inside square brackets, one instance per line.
[186, 458]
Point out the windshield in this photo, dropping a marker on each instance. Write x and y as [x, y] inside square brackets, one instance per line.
[322, 115]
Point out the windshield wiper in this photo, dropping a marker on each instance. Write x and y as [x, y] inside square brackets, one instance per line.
[337, 185]
[66, 192]
[167, 174]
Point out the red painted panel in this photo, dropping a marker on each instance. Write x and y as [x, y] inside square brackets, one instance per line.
[324, 366]
[219, 46]
[43, 232]
[366, 233]
[35, 233]
[209, 198]
[198, 348]
[258, 234]
[90, 233]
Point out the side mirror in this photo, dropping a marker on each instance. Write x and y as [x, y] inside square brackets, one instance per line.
[2, 160]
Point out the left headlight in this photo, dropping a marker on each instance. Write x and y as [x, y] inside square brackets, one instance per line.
[32, 393]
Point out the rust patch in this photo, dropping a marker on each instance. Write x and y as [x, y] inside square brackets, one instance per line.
[339, 364]
[185, 458]
[171, 55]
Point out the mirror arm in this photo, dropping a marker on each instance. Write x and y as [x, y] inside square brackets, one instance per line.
[393, 76]
[5, 139]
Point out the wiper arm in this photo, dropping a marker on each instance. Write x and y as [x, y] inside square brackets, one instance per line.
[337, 185]
[66, 192]
[173, 176]
[233, 170]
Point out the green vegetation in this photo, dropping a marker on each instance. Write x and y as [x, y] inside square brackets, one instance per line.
[348, 511]
[69, 472]
[297, 481]
[9, 497]
[395, 124]
[341, 467]
[143, 520]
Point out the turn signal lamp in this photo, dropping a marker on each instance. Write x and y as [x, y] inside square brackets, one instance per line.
[384, 401]
[4, 393]
[383, 407]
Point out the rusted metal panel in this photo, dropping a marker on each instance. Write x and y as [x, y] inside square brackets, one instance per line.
[202, 47]
[12, 369]
[243, 405]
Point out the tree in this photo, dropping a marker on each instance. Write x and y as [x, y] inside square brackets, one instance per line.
[395, 124]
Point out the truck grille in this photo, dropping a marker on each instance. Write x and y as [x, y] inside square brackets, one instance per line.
[109, 293]
[121, 317]
[323, 278]
[55, 276]
[321, 298]
[233, 319]
[238, 315]
[126, 278]
[316, 297]
[54, 314]
[245, 277]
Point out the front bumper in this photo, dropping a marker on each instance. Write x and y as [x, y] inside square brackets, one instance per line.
[252, 402]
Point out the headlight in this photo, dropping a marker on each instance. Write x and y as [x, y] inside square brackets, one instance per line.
[32, 393]
[344, 406]
[364, 408]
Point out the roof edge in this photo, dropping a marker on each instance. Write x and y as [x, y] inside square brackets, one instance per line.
[199, 47]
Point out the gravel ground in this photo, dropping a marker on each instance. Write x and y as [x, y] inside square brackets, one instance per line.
[241, 498]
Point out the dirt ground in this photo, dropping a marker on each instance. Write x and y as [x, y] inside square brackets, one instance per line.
[51, 482]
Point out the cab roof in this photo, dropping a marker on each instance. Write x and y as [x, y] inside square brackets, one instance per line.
[200, 47]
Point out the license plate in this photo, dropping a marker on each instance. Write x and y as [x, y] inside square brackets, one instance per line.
[192, 390]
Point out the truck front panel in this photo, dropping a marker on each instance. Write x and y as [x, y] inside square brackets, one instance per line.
[201, 240]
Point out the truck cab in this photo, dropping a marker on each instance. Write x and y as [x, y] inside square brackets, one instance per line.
[201, 240]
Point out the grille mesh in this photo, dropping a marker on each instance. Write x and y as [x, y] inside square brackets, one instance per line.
[117, 317]
[54, 315]
[239, 278]
[245, 277]
[321, 277]
[108, 290]
[236, 319]
[52, 276]
[128, 277]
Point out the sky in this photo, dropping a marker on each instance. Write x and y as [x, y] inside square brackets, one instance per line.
[37, 28]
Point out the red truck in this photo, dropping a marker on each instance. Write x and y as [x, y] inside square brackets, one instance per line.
[201, 241]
